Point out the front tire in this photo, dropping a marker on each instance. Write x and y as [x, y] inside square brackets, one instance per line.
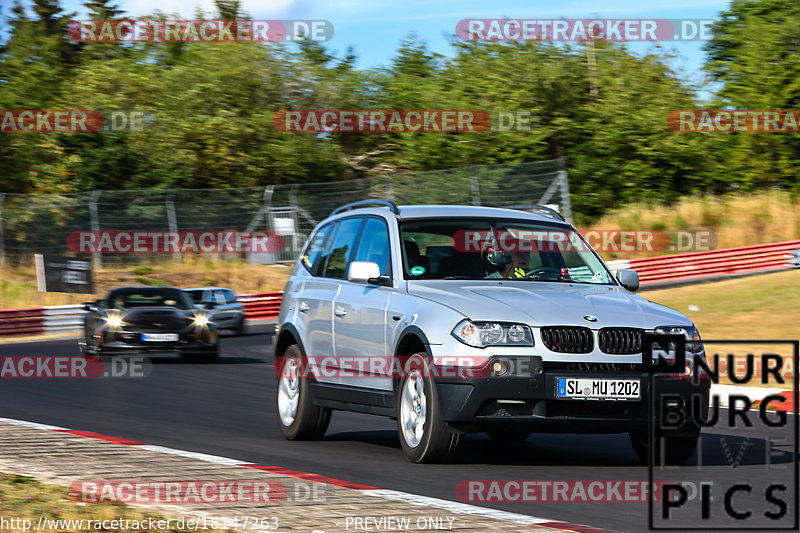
[424, 436]
[298, 417]
[677, 451]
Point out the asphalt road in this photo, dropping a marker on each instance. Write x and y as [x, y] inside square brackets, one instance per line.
[226, 409]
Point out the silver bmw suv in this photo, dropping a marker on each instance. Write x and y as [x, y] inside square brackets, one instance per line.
[456, 319]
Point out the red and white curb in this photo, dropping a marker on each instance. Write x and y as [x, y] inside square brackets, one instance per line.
[755, 394]
[413, 499]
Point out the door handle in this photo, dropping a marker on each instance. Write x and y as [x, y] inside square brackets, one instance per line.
[303, 307]
[339, 311]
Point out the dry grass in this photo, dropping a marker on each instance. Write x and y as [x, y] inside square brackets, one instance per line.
[18, 288]
[23, 498]
[737, 220]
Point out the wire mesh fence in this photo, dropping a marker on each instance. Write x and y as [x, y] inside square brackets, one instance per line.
[42, 223]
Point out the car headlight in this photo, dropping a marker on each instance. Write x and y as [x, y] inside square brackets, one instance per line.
[693, 343]
[114, 321]
[482, 334]
[201, 320]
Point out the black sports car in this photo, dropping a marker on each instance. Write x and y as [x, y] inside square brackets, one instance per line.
[149, 319]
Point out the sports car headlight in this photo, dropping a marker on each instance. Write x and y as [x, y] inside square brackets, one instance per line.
[482, 334]
[693, 343]
[201, 320]
[114, 321]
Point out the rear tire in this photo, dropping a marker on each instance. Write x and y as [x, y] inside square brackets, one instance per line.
[239, 330]
[298, 418]
[678, 449]
[424, 436]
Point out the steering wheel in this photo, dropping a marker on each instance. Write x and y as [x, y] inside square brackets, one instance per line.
[536, 272]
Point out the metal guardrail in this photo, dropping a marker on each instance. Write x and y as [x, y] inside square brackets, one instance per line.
[54, 319]
[714, 264]
[261, 305]
[39, 320]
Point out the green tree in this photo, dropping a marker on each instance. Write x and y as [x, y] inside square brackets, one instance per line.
[754, 57]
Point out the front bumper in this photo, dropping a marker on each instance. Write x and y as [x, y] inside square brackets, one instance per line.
[529, 402]
[128, 342]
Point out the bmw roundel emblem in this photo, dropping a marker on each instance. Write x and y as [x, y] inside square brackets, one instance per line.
[590, 318]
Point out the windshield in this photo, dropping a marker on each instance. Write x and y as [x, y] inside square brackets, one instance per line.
[196, 295]
[147, 297]
[498, 249]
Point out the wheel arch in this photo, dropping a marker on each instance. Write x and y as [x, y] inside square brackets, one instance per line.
[288, 336]
[412, 340]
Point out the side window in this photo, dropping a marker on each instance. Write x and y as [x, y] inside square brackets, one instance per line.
[338, 253]
[230, 297]
[374, 244]
[313, 259]
[219, 298]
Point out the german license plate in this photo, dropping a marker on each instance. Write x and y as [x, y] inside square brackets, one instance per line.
[160, 337]
[598, 389]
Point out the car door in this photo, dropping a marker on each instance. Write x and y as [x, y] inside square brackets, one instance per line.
[333, 266]
[315, 303]
[359, 324]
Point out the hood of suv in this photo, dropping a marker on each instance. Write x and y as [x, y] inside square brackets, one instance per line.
[548, 303]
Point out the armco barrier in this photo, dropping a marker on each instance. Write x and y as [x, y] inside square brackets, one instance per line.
[21, 321]
[52, 319]
[261, 305]
[698, 266]
[38, 320]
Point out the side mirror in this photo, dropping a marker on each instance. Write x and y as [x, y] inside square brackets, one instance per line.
[628, 279]
[90, 306]
[366, 272]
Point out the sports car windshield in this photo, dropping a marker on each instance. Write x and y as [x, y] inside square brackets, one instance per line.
[146, 297]
[196, 295]
[489, 249]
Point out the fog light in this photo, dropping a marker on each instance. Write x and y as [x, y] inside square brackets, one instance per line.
[499, 367]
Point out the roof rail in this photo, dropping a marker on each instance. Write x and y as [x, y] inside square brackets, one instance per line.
[363, 203]
[549, 210]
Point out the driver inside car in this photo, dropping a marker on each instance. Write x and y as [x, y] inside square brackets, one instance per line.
[514, 263]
